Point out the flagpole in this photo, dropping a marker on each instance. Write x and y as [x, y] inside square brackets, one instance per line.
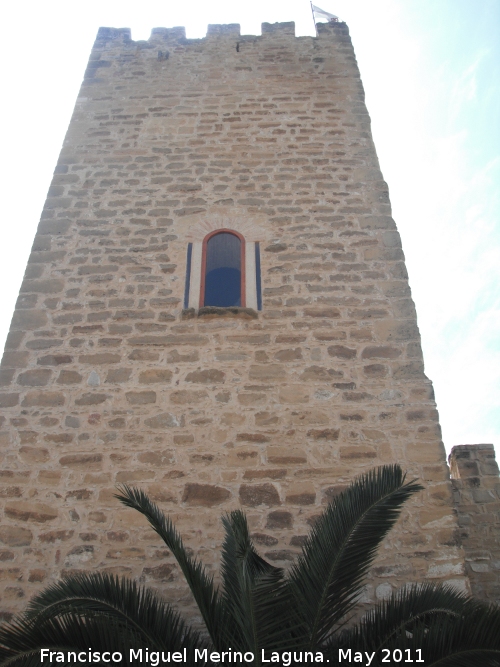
[312, 10]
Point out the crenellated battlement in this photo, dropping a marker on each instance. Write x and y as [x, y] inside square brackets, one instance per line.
[114, 46]
[219, 31]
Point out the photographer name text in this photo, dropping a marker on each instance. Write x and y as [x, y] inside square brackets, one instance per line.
[204, 656]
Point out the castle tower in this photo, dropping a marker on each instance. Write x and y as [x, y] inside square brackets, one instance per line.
[216, 309]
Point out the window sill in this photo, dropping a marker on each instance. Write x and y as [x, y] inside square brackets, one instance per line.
[212, 312]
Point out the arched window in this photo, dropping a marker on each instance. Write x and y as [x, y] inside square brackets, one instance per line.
[223, 270]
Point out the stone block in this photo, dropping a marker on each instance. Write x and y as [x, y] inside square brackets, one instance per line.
[118, 375]
[326, 313]
[253, 495]
[167, 341]
[244, 457]
[28, 320]
[184, 439]
[28, 511]
[8, 400]
[320, 374]
[140, 397]
[15, 536]
[11, 492]
[13, 359]
[47, 286]
[69, 377]
[156, 458]
[186, 397]
[43, 399]
[265, 473]
[99, 359]
[381, 352]
[266, 540]
[91, 398]
[79, 494]
[143, 355]
[358, 452]
[286, 455]
[375, 371]
[163, 572]
[289, 355]
[301, 494]
[206, 376]
[34, 455]
[267, 372]
[174, 357]
[6, 376]
[164, 420]
[341, 352]
[160, 493]
[54, 360]
[130, 477]
[329, 434]
[279, 519]
[155, 376]
[204, 495]
[53, 227]
[59, 438]
[85, 461]
[252, 437]
[43, 343]
[232, 419]
[294, 393]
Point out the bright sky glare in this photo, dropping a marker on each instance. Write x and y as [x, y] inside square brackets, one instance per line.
[431, 72]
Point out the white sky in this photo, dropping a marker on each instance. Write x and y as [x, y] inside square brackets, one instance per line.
[431, 72]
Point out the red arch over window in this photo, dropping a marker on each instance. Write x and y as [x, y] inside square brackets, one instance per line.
[204, 263]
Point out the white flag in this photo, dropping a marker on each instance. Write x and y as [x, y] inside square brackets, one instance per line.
[321, 14]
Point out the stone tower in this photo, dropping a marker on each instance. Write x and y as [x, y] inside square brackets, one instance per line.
[119, 368]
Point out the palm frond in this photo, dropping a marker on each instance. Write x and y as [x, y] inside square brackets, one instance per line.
[446, 639]
[238, 548]
[448, 627]
[199, 581]
[281, 624]
[328, 576]
[469, 639]
[258, 601]
[400, 614]
[21, 641]
[98, 611]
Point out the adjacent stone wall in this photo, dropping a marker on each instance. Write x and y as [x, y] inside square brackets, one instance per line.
[103, 380]
[476, 490]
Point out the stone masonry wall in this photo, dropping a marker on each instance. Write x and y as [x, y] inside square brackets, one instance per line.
[104, 382]
[476, 490]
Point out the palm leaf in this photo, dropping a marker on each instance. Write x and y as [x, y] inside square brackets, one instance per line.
[450, 640]
[240, 565]
[256, 593]
[280, 622]
[448, 627]
[21, 641]
[201, 584]
[100, 611]
[328, 576]
[401, 614]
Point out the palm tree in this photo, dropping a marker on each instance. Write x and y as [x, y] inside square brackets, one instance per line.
[260, 609]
